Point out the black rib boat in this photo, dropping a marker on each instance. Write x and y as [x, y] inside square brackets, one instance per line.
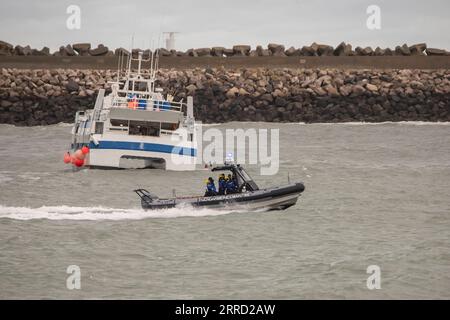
[248, 196]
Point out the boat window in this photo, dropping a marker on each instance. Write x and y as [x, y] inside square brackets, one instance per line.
[245, 175]
[99, 127]
[169, 126]
[119, 123]
[140, 86]
[80, 127]
[143, 128]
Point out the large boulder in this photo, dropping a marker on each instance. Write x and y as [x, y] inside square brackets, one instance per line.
[62, 52]
[402, 50]
[191, 53]
[324, 50]
[405, 50]
[203, 52]
[371, 87]
[378, 52]
[217, 51]
[308, 51]
[435, 52]
[241, 50]
[101, 50]
[418, 49]
[233, 92]
[45, 51]
[276, 49]
[388, 52]
[343, 49]
[23, 51]
[291, 52]
[367, 51]
[72, 86]
[228, 52]
[67, 51]
[6, 49]
[261, 52]
[82, 48]
[163, 52]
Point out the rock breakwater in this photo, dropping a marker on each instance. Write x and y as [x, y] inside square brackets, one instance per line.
[41, 97]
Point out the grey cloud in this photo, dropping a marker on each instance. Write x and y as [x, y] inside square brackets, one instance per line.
[207, 23]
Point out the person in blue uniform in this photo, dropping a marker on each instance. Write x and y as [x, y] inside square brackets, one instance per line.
[230, 185]
[222, 184]
[210, 188]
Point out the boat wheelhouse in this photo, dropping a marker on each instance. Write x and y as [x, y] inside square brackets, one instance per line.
[136, 122]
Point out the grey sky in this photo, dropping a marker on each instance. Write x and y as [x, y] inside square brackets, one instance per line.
[207, 23]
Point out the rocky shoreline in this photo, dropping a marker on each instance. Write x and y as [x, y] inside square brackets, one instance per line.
[42, 97]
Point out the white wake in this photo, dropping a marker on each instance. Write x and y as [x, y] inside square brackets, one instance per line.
[102, 213]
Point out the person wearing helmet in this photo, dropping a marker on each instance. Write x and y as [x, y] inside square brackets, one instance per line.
[230, 185]
[222, 184]
[210, 188]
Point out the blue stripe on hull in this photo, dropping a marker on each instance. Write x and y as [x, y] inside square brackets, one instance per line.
[143, 146]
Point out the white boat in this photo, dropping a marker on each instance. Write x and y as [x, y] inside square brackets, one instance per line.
[135, 121]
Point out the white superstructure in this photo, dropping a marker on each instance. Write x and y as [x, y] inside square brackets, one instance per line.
[135, 121]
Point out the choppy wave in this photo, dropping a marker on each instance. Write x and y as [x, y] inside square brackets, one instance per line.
[101, 213]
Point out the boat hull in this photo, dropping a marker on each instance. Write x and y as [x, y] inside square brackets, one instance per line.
[278, 198]
[113, 158]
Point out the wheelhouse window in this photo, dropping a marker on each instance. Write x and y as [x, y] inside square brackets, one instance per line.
[143, 128]
[118, 125]
[137, 86]
[140, 86]
[99, 127]
[169, 126]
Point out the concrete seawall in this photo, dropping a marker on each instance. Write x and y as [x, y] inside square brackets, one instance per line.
[48, 96]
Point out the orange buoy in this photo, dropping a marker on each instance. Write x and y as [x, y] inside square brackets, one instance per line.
[85, 150]
[67, 158]
[79, 154]
[79, 162]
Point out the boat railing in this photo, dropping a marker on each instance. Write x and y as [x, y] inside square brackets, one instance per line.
[147, 104]
[169, 132]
